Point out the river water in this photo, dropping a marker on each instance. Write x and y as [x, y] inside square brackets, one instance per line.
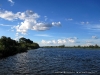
[44, 61]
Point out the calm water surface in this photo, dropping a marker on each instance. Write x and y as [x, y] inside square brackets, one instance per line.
[51, 61]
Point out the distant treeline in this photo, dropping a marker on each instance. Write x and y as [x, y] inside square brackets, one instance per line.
[63, 46]
[9, 46]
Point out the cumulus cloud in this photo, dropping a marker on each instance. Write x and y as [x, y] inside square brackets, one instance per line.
[59, 41]
[10, 16]
[12, 2]
[54, 41]
[41, 26]
[22, 29]
[7, 15]
[29, 21]
[32, 24]
[43, 41]
[71, 40]
[46, 42]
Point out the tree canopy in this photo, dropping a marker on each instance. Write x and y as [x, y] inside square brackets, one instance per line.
[9, 46]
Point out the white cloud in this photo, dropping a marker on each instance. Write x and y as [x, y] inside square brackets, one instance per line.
[70, 19]
[87, 44]
[20, 29]
[82, 22]
[29, 21]
[89, 41]
[17, 34]
[85, 22]
[49, 42]
[71, 40]
[45, 18]
[46, 42]
[32, 24]
[4, 25]
[24, 26]
[10, 16]
[7, 15]
[43, 41]
[59, 41]
[43, 35]
[75, 38]
[56, 23]
[12, 2]
[18, 37]
[93, 27]
[54, 41]
[94, 37]
[41, 26]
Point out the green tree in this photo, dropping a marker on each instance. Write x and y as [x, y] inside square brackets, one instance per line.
[96, 46]
[9, 46]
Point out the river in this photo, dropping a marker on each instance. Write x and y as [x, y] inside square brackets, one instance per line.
[71, 61]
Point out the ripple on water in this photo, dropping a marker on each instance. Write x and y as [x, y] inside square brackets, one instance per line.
[51, 60]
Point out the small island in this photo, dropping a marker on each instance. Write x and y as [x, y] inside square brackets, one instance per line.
[10, 47]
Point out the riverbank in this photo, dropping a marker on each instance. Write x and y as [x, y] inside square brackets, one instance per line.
[11, 51]
[10, 47]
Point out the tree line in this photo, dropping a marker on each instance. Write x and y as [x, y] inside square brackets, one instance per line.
[9, 46]
[63, 46]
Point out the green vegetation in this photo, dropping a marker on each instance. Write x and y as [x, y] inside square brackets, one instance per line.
[9, 46]
[63, 46]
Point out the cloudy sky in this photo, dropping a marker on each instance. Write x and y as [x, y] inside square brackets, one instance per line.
[51, 22]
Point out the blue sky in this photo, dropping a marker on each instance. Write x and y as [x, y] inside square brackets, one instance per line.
[51, 22]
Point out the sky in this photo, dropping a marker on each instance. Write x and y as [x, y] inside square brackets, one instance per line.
[52, 22]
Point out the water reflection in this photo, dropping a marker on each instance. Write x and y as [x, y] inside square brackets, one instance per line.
[52, 60]
[22, 63]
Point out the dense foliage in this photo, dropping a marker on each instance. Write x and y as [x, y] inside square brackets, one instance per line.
[9, 46]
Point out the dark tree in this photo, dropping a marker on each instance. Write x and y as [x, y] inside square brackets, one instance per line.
[9, 46]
